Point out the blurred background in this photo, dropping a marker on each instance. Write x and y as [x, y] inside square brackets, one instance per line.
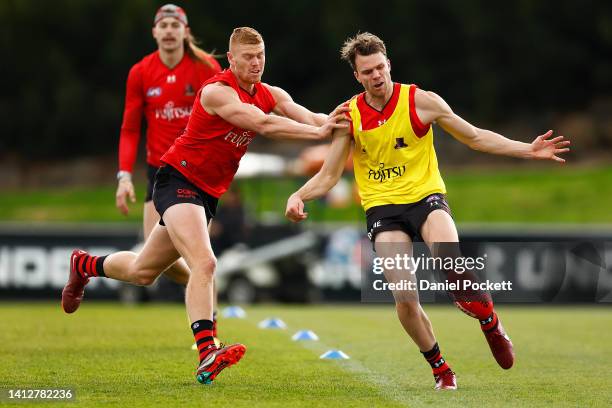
[519, 68]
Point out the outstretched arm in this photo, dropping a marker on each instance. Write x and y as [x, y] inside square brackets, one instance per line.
[287, 107]
[222, 100]
[432, 108]
[324, 180]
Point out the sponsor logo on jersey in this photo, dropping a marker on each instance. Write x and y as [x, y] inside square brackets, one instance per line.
[169, 112]
[399, 143]
[170, 79]
[154, 92]
[383, 173]
[242, 139]
[189, 90]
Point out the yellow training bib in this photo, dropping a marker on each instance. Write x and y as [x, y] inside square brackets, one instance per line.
[394, 158]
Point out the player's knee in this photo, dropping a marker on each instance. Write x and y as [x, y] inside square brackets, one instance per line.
[142, 276]
[409, 309]
[145, 278]
[206, 265]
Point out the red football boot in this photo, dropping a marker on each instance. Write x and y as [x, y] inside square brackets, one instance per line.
[501, 345]
[218, 360]
[446, 380]
[72, 295]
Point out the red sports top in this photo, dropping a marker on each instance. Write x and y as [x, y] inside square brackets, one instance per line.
[166, 97]
[209, 151]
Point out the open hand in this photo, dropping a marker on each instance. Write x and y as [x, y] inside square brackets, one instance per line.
[544, 148]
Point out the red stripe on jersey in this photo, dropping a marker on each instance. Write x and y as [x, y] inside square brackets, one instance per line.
[418, 127]
[372, 118]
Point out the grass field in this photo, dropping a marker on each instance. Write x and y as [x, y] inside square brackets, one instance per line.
[550, 194]
[141, 356]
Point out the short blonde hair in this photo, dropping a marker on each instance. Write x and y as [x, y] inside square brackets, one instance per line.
[362, 44]
[245, 35]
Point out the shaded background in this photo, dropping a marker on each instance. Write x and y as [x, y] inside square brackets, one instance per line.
[522, 66]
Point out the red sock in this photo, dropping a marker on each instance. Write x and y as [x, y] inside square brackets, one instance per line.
[203, 333]
[89, 266]
[489, 323]
[481, 310]
[475, 303]
[435, 360]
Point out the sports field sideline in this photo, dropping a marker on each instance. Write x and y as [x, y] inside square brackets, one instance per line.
[141, 356]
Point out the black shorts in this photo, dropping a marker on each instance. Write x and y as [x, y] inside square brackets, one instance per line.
[151, 171]
[404, 217]
[171, 187]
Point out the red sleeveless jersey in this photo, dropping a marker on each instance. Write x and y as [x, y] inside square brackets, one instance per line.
[165, 97]
[209, 151]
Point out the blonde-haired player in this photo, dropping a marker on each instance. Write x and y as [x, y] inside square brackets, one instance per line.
[230, 109]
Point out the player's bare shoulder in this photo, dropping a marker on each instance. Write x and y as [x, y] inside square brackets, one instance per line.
[217, 94]
[430, 106]
[427, 100]
[279, 94]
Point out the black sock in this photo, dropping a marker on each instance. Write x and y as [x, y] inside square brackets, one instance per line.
[100, 266]
[435, 360]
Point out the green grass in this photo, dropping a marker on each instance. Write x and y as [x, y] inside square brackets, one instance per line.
[552, 194]
[141, 356]
[69, 204]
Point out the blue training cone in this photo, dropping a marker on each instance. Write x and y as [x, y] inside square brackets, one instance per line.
[272, 323]
[334, 355]
[234, 312]
[305, 335]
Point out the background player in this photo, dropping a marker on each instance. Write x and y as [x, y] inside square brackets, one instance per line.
[401, 188]
[230, 109]
[161, 88]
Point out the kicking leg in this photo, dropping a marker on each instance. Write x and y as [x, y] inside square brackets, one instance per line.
[440, 234]
[139, 269]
